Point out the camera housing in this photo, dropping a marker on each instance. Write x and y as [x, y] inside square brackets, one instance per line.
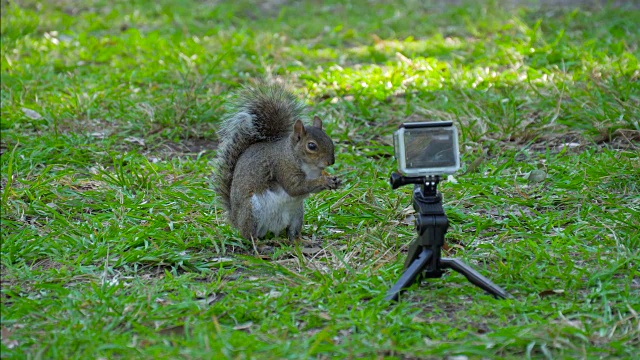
[427, 148]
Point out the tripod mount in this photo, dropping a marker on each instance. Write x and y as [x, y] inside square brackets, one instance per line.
[424, 258]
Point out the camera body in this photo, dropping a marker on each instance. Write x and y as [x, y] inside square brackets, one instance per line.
[427, 148]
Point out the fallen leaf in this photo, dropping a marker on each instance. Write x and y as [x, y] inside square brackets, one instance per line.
[550, 292]
[172, 330]
[419, 320]
[409, 220]
[6, 334]
[208, 300]
[575, 324]
[244, 326]
[570, 145]
[135, 140]
[311, 250]
[31, 114]
[99, 135]
[475, 165]
[536, 176]
[161, 301]
[409, 216]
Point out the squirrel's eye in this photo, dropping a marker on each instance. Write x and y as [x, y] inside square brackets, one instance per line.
[312, 146]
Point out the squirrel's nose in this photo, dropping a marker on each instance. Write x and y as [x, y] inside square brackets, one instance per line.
[330, 162]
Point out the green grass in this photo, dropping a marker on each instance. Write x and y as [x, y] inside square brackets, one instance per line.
[113, 245]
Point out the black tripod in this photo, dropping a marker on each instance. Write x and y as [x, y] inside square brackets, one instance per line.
[424, 252]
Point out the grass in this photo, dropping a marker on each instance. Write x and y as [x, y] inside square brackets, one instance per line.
[113, 245]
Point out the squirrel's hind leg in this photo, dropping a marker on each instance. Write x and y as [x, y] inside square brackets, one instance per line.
[247, 225]
[295, 223]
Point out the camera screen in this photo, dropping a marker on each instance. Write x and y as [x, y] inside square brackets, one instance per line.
[430, 148]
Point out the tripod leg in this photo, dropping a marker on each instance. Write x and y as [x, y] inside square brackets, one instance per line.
[410, 274]
[474, 277]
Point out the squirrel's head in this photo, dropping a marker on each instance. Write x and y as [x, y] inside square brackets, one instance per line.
[312, 145]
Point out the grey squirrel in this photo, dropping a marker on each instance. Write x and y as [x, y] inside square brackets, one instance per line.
[269, 161]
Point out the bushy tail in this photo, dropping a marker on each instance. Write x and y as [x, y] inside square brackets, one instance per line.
[263, 112]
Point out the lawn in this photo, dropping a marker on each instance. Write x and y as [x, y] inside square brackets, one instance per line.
[114, 244]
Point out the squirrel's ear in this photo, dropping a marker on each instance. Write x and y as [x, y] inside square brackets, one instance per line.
[317, 122]
[298, 130]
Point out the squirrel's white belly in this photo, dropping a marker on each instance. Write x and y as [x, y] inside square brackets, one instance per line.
[275, 210]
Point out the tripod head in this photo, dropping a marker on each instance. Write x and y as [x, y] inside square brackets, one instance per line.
[398, 180]
[424, 186]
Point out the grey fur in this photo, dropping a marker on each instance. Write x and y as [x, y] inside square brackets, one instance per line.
[264, 112]
[274, 210]
[269, 162]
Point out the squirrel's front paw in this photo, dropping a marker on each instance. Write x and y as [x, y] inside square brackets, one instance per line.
[333, 182]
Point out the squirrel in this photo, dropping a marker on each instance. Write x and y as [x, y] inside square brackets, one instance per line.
[269, 161]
